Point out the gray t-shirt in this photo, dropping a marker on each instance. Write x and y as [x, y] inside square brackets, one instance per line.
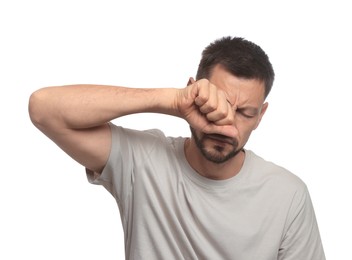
[169, 211]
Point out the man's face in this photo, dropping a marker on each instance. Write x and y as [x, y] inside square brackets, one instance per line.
[246, 97]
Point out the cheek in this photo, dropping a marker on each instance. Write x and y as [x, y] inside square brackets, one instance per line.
[245, 132]
[244, 137]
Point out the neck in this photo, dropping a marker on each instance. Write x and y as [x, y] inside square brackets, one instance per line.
[209, 169]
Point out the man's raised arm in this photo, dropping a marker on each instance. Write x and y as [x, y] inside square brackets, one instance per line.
[75, 117]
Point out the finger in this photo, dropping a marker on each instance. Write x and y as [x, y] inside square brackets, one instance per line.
[203, 92]
[223, 115]
[211, 103]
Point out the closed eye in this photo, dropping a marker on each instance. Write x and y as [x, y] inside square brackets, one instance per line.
[247, 113]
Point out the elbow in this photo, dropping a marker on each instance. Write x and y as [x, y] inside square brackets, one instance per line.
[37, 108]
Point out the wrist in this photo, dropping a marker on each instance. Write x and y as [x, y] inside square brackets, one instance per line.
[162, 101]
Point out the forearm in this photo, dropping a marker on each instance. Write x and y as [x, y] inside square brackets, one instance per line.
[84, 106]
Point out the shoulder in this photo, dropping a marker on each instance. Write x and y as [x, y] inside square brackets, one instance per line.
[145, 134]
[130, 137]
[142, 139]
[273, 175]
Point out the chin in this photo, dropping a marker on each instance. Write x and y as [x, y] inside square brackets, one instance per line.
[218, 157]
[216, 148]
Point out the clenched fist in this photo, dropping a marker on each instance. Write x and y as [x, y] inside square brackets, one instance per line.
[206, 108]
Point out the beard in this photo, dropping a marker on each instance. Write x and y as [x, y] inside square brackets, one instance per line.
[218, 152]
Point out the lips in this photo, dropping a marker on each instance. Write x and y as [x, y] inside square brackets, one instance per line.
[220, 138]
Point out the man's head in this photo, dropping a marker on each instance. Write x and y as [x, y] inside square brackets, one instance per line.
[240, 57]
[243, 71]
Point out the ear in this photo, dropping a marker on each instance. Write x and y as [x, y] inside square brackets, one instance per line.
[190, 81]
[262, 112]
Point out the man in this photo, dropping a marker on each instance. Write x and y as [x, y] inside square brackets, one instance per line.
[204, 197]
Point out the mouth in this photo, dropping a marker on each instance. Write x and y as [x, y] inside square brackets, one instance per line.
[220, 138]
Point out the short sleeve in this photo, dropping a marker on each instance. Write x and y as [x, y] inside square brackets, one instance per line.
[128, 149]
[301, 239]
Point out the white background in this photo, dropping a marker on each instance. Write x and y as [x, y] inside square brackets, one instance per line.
[47, 208]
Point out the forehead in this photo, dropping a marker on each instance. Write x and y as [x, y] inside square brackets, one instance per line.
[239, 90]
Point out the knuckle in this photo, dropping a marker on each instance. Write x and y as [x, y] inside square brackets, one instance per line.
[203, 81]
[200, 99]
[206, 109]
[223, 112]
